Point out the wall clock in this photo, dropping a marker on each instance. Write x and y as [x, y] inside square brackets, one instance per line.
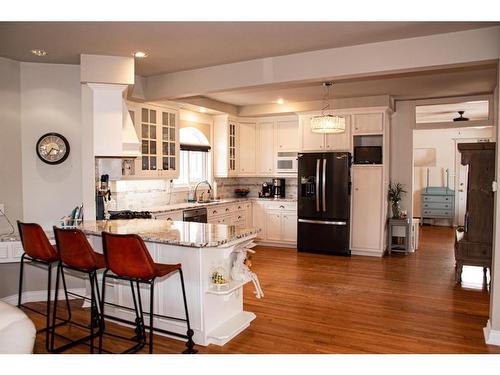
[52, 148]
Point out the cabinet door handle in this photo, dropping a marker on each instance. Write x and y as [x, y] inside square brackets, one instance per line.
[282, 206]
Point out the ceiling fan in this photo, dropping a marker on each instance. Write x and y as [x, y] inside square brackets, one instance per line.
[461, 118]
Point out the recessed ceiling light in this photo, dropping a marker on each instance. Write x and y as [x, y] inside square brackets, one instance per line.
[280, 101]
[39, 52]
[203, 110]
[140, 54]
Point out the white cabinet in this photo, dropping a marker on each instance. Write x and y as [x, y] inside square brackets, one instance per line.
[287, 134]
[11, 251]
[289, 226]
[246, 149]
[277, 221]
[171, 215]
[273, 225]
[259, 218]
[340, 141]
[158, 131]
[265, 148]
[226, 149]
[368, 123]
[310, 141]
[368, 213]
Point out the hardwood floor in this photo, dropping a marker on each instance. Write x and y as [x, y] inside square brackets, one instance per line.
[325, 304]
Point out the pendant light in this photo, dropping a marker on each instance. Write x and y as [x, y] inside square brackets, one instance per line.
[327, 123]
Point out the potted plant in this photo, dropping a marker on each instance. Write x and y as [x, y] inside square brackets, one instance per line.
[395, 194]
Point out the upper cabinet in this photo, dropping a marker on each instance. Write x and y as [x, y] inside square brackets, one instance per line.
[158, 131]
[226, 147]
[265, 147]
[310, 141]
[368, 123]
[287, 134]
[247, 156]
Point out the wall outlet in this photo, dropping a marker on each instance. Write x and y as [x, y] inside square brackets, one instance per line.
[2, 209]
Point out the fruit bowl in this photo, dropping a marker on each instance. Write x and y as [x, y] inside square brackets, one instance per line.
[241, 192]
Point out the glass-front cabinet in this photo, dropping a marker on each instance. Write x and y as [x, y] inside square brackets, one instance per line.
[158, 131]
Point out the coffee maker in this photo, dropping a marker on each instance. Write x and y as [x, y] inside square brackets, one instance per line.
[266, 190]
[279, 188]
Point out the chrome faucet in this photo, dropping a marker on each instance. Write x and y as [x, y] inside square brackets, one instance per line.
[196, 188]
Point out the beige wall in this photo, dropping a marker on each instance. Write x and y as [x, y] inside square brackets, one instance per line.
[10, 143]
[401, 154]
[50, 102]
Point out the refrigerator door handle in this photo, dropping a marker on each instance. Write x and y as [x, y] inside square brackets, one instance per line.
[322, 222]
[324, 185]
[317, 184]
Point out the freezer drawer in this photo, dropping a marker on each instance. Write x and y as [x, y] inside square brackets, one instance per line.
[317, 236]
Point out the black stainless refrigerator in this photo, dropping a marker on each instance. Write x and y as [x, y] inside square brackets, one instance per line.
[324, 202]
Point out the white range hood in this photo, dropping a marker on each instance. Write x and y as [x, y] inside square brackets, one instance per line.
[113, 129]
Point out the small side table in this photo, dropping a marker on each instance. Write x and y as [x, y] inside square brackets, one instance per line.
[405, 244]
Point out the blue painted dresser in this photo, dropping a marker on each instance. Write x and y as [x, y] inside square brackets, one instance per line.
[437, 203]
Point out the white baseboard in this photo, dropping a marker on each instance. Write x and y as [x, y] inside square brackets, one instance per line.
[370, 253]
[40, 295]
[276, 244]
[491, 336]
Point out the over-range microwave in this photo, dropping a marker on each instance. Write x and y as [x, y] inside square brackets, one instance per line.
[286, 163]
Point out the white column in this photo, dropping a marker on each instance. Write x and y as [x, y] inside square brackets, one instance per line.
[492, 329]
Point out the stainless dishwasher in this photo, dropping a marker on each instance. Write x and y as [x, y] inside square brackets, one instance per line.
[197, 215]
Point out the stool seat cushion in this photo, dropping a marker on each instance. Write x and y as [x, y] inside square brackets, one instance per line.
[17, 331]
[165, 269]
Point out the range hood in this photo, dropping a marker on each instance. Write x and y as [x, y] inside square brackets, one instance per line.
[113, 129]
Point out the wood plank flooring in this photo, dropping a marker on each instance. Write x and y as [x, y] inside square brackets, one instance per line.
[325, 304]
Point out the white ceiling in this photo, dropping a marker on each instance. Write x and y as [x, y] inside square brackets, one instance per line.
[177, 46]
[428, 84]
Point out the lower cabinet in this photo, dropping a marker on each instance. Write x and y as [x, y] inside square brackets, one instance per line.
[171, 215]
[277, 222]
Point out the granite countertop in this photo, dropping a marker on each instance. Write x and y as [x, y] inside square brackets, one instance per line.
[188, 205]
[171, 232]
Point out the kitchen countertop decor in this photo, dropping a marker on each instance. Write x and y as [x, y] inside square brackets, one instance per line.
[179, 233]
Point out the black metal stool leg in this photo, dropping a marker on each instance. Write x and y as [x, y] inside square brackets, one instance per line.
[102, 299]
[21, 273]
[49, 292]
[68, 307]
[56, 294]
[151, 315]
[141, 313]
[190, 343]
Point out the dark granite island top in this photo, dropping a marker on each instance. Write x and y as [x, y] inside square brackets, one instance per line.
[178, 233]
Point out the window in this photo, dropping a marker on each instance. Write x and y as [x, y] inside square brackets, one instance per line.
[194, 157]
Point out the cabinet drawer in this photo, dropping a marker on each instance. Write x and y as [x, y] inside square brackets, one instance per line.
[437, 198]
[479, 251]
[219, 210]
[437, 213]
[281, 206]
[242, 206]
[438, 206]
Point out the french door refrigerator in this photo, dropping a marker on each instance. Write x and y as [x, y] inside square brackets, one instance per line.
[324, 202]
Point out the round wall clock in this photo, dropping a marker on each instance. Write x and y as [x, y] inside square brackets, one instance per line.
[52, 148]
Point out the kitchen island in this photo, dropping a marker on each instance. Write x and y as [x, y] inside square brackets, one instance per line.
[216, 314]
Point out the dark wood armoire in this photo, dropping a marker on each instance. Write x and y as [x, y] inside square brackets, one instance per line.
[473, 242]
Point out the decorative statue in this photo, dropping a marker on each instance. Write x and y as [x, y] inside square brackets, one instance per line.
[241, 270]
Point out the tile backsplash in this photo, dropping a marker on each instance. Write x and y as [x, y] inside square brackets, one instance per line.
[146, 194]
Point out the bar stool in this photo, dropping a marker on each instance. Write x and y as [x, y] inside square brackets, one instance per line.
[127, 258]
[38, 250]
[76, 253]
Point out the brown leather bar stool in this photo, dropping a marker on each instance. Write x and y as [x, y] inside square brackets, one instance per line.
[127, 258]
[76, 253]
[38, 250]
